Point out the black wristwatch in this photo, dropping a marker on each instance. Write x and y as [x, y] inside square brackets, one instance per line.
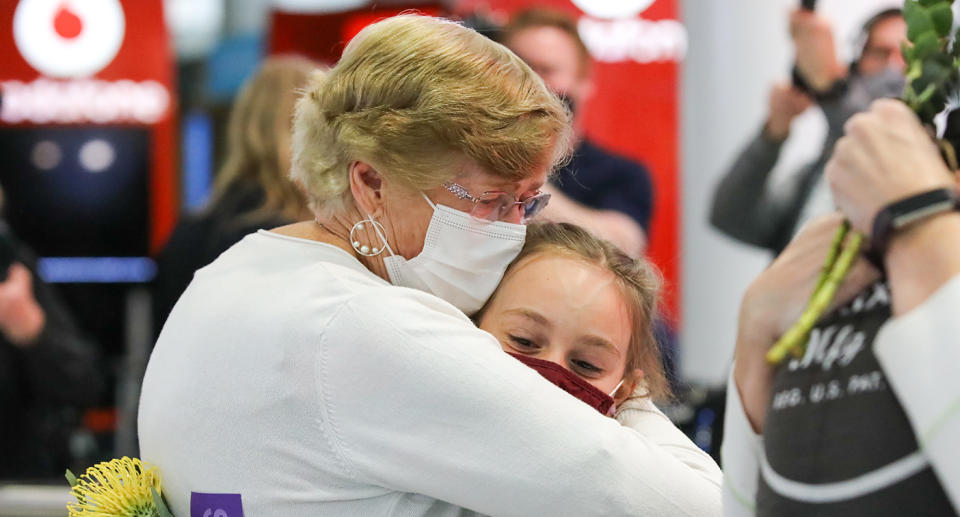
[901, 213]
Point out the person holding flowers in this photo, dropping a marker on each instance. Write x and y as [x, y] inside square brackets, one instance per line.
[860, 420]
[863, 421]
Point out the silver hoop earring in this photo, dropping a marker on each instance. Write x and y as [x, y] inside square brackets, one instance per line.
[363, 249]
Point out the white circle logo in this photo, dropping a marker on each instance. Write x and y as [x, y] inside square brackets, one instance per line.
[613, 8]
[68, 38]
[97, 155]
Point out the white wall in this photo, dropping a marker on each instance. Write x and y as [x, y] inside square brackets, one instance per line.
[737, 49]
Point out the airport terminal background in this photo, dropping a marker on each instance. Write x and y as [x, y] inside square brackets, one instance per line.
[104, 147]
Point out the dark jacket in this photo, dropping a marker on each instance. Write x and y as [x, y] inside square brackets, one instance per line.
[606, 181]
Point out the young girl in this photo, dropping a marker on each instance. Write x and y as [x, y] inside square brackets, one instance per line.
[574, 301]
[580, 312]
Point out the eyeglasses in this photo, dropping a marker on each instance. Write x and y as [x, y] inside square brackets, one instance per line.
[495, 205]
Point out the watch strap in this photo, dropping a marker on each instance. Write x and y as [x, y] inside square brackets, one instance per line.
[908, 210]
[835, 91]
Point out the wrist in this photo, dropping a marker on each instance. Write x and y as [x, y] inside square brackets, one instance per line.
[899, 216]
[752, 374]
[922, 257]
[753, 381]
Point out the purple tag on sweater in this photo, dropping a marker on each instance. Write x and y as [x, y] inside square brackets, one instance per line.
[215, 505]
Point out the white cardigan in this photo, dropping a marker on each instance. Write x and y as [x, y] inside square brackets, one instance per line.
[291, 375]
[919, 353]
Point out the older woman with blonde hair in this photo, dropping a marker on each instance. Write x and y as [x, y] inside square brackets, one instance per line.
[328, 367]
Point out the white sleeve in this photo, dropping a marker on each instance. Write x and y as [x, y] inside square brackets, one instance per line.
[421, 401]
[919, 353]
[740, 455]
[641, 415]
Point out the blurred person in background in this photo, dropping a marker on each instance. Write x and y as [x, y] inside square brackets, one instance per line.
[610, 195]
[252, 189]
[48, 372]
[746, 206]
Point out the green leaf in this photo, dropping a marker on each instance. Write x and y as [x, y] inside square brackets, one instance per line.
[907, 51]
[162, 509]
[70, 478]
[929, 3]
[918, 23]
[926, 46]
[914, 70]
[942, 58]
[942, 17]
[908, 7]
[935, 73]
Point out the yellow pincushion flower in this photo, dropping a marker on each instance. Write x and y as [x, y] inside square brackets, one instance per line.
[118, 488]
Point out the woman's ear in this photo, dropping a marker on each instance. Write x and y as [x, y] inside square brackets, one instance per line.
[630, 383]
[365, 185]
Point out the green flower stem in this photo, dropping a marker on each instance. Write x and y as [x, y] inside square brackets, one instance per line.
[794, 340]
[831, 256]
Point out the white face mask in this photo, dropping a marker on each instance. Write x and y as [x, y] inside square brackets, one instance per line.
[463, 260]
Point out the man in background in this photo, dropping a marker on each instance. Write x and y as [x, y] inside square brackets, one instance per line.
[608, 194]
[745, 205]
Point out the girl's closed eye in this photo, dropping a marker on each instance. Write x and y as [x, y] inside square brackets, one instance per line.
[586, 368]
[523, 344]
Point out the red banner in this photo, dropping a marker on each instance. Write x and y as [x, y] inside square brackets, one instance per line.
[321, 35]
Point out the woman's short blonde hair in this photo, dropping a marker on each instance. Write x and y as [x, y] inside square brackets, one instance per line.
[639, 282]
[415, 96]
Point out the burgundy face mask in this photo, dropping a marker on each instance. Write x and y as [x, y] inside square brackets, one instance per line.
[570, 382]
